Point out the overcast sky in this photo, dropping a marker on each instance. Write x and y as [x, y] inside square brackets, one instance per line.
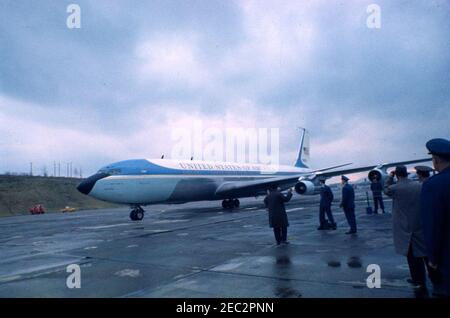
[115, 88]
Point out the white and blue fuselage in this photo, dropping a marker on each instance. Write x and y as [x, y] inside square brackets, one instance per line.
[144, 182]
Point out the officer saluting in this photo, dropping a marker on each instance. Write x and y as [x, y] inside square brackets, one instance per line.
[278, 219]
[435, 212]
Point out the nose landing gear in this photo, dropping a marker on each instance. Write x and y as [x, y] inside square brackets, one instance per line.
[137, 214]
[229, 204]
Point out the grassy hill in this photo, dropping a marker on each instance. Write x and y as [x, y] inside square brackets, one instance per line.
[19, 193]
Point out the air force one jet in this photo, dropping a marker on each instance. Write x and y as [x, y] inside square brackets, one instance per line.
[144, 182]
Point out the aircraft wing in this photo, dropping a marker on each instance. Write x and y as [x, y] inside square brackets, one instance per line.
[334, 173]
[255, 187]
[330, 168]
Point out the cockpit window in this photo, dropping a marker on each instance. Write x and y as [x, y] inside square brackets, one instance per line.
[110, 171]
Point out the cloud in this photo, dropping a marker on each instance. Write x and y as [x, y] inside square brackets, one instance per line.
[116, 88]
[277, 38]
[171, 59]
[26, 139]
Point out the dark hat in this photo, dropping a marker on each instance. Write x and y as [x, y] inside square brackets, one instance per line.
[401, 171]
[322, 178]
[344, 178]
[423, 169]
[439, 146]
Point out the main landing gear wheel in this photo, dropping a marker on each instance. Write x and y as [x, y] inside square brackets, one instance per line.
[137, 214]
[230, 203]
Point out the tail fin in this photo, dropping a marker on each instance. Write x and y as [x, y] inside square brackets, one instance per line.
[303, 152]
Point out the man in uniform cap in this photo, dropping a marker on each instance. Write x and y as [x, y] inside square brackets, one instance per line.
[423, 173]
[435, 212]
[406, 223]
[326, 198]
[348, 204]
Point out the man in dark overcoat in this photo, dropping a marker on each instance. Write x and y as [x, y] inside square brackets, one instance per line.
[278, 219]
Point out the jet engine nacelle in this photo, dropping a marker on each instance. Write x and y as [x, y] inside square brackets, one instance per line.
[379, 173]
[306, 188]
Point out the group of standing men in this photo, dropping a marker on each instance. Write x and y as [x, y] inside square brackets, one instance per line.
[420, 212]
[347, 204]
[278, 219]
[421, 219]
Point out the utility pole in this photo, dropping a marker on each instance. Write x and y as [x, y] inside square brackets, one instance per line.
[54, 168]
[59, 168]
[31, 169]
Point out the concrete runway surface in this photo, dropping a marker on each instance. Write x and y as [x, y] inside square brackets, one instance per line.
[199, 250]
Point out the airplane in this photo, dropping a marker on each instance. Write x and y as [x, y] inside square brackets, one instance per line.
[142, 182]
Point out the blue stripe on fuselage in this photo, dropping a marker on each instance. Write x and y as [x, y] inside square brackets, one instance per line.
[145, 167]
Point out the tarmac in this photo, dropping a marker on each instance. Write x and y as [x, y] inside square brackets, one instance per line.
[199, 250]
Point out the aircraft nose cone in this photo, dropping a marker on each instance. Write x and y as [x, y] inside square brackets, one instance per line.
[86, 186]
